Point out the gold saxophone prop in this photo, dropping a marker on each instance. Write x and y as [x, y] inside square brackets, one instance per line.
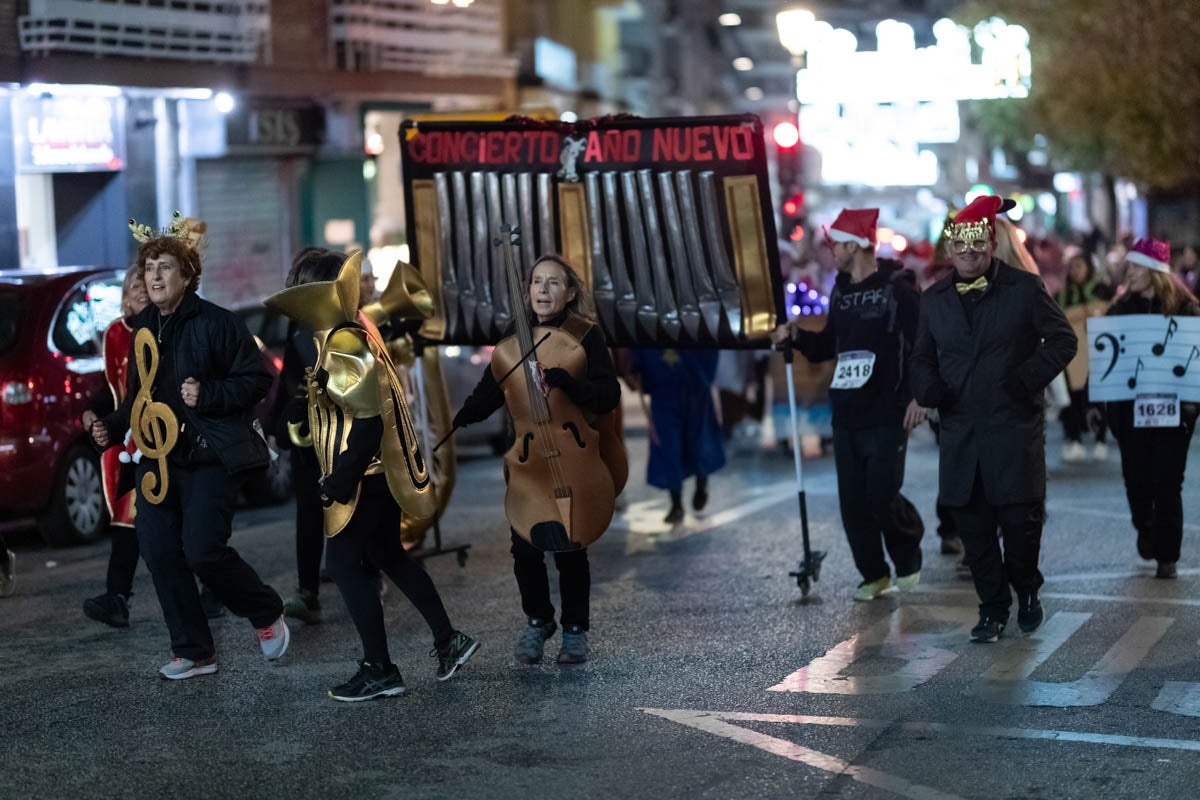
[152, 424]
[361, 382]
[408, 298]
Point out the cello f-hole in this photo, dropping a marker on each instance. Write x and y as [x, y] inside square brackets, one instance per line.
[525, 448]
[570, 426]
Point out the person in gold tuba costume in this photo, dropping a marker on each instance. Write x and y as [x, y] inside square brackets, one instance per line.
[371, 469]
[558, 299]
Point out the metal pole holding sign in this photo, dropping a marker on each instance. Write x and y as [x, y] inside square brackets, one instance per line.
[809, 570]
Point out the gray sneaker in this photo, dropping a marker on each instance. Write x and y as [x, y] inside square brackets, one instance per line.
[274, 639]
[178, 669]
[8, 573]
[574, 645]
[533, 639]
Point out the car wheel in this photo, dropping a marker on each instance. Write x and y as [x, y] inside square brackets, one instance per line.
[76, 514]
[272, 485]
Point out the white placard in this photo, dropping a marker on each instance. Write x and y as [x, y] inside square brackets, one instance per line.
[1143, 354]
[1156, 411]
[854, 368]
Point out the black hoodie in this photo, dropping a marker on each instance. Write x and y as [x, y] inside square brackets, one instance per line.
[880, 315]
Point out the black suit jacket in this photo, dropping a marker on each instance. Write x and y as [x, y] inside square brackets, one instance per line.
[985, 375]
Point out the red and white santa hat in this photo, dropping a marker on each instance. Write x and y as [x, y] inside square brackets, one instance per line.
[1151, 254]
[855, 225]
[978, 219]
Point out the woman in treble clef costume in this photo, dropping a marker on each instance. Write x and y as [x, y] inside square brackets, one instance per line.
[195, 375]
[557, 299]
[1153, 458]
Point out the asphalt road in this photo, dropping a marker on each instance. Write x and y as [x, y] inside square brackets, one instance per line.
[709, 677]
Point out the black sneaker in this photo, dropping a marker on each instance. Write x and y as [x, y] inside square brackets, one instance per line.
[111, 609]
[1029, 612]
[988, 629]
[675, 515]
[371, 681]
[454, 655]
[1166, 569]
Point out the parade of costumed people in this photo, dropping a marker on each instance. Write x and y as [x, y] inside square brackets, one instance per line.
[372, 471]
[557, 379]
[195, 376]
[1082, 295]
[870, 329]
[683, 428]
[1153, 459]
[989, 341]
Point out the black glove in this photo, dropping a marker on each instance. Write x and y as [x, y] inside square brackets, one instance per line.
[334, 492]
[557, 377]
[296, 410]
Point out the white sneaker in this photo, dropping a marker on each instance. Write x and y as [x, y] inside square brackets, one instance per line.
[274, 639]
[178, 669]
[908, 583]
[1100, 451]
[1073, 452]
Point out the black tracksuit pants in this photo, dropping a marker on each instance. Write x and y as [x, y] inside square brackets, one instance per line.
[187, 534]
[374, 531]
[994, 571]
[1153, 462]
[122, 560]
[310, 527]
[574, 583]
[870, 472]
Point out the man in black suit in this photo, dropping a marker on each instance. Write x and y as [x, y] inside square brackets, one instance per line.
[989, 341]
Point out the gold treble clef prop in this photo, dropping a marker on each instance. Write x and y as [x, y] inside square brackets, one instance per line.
[152, 424]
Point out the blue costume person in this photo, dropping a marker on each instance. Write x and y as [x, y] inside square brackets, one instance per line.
[686, 438]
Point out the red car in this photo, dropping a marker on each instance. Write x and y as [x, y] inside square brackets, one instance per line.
[51, 324]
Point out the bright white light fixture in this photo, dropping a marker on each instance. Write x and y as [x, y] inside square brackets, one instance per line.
[743, 64]
[730, 20]
[795, 29]
[224, 102]
[754, 93]
[568, 116]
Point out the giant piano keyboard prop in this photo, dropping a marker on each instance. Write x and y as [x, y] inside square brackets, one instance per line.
[668, 220]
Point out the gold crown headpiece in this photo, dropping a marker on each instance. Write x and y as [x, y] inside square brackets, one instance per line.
[179, 228]
[967, 231]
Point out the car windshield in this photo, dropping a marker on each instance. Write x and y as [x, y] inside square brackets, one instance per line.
[11, 308]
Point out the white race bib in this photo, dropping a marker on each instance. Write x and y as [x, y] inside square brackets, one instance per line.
[1156, 411]
[853, 370]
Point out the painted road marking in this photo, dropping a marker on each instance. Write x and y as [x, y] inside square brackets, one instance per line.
[714, 722]
[704, 720]
[1105, 598]
[1094, 512]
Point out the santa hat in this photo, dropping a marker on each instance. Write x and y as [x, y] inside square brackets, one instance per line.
[855, 225]
[978, 218]
[1151, 254]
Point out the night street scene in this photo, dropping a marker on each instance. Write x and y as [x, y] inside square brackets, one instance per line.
[436, 399]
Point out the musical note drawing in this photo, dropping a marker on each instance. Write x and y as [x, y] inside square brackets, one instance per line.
[1181, 369]
[1161, 348]
[152, 424]
[1133, 380]
[1116, 348]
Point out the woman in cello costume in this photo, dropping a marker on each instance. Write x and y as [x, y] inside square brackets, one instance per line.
[557, 298]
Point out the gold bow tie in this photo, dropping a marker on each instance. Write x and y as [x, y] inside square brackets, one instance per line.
[979, 283]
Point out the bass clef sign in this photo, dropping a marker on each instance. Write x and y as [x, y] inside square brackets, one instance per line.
[152, 424]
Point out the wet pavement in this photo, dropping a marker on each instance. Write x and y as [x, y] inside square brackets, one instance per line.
[709, 676]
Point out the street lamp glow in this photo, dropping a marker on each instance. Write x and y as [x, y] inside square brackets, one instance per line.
[795, 29]
[786, 134]
[730, 20]
[224, 102]
[743, 64]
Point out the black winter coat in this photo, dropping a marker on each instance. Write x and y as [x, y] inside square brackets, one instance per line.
[985, 376]
[213, 346]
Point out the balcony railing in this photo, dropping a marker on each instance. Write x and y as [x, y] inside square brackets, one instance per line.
[418, 36]
[224, 31]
